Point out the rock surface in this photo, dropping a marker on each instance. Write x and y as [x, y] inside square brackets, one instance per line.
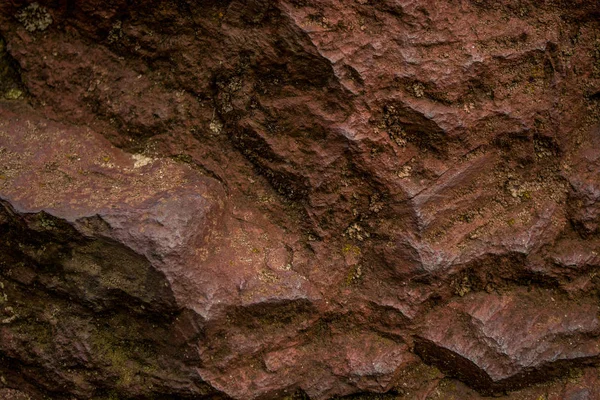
[292, 199]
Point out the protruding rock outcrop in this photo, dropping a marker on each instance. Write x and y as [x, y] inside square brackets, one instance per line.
[292, 199]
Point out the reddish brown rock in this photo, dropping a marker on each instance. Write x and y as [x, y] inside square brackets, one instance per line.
[291, 199]
[500, 342]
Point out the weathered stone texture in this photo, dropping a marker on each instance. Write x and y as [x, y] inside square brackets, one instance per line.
[299, 199]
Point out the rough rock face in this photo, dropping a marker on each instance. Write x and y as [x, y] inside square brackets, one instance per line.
[299, 199]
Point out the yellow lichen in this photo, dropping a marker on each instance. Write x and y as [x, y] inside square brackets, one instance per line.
[13, 94]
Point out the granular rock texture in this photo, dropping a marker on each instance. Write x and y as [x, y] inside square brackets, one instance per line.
[370, 199]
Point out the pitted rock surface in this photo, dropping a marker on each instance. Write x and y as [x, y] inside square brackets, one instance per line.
[299, 199]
